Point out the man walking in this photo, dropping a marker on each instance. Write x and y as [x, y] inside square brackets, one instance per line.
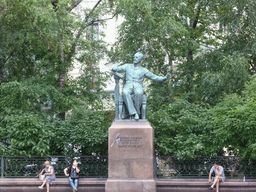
[219, 175]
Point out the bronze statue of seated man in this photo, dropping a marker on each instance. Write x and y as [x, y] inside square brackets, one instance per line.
[133, 79]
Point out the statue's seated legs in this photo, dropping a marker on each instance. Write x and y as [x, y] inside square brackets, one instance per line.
[133, 104]
[138, 96]
[123, 112]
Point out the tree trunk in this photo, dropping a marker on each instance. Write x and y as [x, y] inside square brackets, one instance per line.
[190, 74]
[62, 78]
[1, 74]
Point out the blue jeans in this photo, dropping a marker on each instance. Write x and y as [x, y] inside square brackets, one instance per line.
[73, 183]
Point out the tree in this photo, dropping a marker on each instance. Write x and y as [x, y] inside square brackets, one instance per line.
[84, 130]
[40, 42]
[189, 130]
[240, 26]
[234, 122]
[181, 130]
[211, 44]
[24, 125]
[181, 32]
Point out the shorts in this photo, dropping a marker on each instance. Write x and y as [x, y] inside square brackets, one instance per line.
[222, 179]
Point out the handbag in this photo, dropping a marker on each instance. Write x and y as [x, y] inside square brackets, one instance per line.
[41, 177]
[74, 174]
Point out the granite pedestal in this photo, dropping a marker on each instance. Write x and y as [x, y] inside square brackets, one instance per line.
[131, 157]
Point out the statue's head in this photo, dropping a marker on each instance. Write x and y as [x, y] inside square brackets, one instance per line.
[137, 58]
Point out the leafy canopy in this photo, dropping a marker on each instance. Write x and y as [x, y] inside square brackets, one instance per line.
[41, 41]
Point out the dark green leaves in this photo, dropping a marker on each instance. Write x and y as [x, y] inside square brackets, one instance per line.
[41, 42]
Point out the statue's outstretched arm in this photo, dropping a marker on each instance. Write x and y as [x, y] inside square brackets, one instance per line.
[154, 77]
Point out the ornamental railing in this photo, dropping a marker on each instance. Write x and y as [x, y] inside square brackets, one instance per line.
[170, 167]
[21, 166]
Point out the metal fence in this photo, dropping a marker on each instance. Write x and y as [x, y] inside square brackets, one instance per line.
[234, 167]
[168, 167]
[21, 166]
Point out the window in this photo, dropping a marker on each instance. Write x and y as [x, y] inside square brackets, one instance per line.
[93, 32]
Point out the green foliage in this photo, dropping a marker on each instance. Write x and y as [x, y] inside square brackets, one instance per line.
[25, 134]
[224, 74]
[24, 127]
[41, 41]
[234, 122]
[29, 96]
[201, 37]
[181, 129]
[203, 108]
[212, 44]
[29, 125]
[83, 130]
[190, 130]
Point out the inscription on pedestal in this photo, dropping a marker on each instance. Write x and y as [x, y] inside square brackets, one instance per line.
[127, 142]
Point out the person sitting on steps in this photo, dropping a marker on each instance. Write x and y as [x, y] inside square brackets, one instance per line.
[219, 176]
[49, 176]
[73, 173]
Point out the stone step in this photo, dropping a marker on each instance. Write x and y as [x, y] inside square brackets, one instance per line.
[202, 185]
[60, 185]
[98, 185]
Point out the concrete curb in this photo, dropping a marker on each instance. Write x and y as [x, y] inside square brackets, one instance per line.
[98, 185]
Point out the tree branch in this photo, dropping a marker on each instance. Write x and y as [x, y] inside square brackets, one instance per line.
[1, 74]
[73, 47]
[74, 5]
[197, 18]
[2, 66]
[54, 4]
[98, 20]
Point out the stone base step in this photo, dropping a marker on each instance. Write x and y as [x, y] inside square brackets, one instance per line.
[60, 185]
[98, 185]
[202, 185]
